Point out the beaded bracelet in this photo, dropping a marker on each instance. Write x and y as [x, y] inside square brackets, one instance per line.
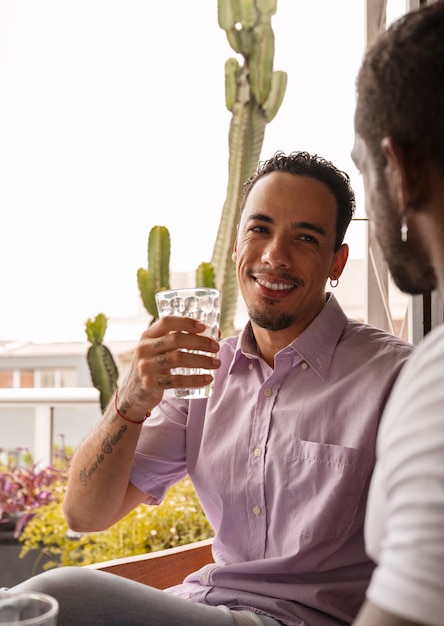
[147, 414]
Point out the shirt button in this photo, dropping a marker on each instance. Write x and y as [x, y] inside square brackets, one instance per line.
[251, 366]
[304, 365]
[257, 452]
[267, 393]
[257, 510]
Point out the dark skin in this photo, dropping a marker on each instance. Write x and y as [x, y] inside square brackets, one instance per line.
[415, 187]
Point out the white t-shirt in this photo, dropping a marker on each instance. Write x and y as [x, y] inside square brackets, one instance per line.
[404, 527]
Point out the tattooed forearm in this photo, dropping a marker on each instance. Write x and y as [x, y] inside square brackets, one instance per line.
[108, 444]
[111, 440]
[86, 474]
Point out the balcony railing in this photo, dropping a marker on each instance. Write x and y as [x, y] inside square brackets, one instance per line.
[44, 401]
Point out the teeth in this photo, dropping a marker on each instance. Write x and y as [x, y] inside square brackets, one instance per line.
[274, 286]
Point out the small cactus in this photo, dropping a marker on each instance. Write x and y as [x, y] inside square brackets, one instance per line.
[157, 276]
[102, 367]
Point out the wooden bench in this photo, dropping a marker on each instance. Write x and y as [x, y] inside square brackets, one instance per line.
[161, 569]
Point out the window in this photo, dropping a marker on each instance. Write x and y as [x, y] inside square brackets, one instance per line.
[45, 377]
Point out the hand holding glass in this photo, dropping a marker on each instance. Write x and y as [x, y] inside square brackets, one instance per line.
[202, 304]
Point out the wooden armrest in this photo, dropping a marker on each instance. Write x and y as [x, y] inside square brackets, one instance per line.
[163, 568]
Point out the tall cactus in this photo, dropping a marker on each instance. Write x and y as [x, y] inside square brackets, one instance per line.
[253, 94]
[102, 367]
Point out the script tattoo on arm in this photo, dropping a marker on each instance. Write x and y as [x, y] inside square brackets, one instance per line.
[107, 447]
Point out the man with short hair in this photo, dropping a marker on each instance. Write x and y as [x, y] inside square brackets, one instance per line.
[281, 455]
[399, 148]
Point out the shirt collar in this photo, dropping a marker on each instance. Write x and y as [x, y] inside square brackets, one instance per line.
[315, 346]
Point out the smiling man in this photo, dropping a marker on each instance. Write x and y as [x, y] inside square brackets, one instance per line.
[287, 247]
[281, 455]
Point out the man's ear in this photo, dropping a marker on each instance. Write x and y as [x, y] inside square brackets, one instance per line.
[234, 253]
[404, 175]
[339, 261]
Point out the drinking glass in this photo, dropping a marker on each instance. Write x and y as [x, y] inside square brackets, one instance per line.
[202, 304]
[28, 609]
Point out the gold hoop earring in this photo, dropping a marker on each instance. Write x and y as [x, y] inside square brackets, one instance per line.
[334, 282]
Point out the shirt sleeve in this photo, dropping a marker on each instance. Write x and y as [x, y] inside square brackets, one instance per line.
[409, 578]
[160, 458]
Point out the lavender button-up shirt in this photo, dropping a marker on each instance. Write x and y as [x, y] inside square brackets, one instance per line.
[281, 460]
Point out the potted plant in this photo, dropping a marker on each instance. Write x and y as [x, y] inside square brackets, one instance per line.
[24, 489]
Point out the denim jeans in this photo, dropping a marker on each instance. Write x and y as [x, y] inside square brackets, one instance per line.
[94, 598]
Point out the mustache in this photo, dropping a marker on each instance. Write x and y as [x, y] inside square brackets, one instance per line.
[265, 272]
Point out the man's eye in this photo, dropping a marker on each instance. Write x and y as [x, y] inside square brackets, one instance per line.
[308, 238]
[259, 229]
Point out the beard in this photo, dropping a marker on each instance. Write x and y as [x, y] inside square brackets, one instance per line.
[408, 262]
[265, 315]
[270, 319]
[411, 271]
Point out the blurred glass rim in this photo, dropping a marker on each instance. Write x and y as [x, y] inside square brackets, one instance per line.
[187, 291]
[48, 603]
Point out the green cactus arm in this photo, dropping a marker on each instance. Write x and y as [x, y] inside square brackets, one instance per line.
[276, 95]
[234, 39]
[205, 276]
[95, 328]
[157, 276]
[104, 373]
[228, 13]
[102, 367]
[232, 72]
[147, 290]
[159, 249]
[261, 62]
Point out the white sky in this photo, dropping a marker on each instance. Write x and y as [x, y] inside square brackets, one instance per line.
[113, 120]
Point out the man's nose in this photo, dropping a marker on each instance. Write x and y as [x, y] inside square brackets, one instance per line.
[276, 253]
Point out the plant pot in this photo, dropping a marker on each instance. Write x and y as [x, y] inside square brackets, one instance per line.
[13, 569]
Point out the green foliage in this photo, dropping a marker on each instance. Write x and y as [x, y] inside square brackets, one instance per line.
[102, 367]
[177, 521]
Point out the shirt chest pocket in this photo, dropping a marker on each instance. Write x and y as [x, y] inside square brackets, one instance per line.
[328, 487]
